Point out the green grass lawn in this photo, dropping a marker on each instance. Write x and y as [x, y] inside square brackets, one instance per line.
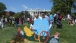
[67, 33]
[7, 33]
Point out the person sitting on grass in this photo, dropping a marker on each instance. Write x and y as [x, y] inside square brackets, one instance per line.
[71, 22]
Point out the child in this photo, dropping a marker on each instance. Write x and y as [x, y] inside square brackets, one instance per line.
[71, 22]
[56, 35]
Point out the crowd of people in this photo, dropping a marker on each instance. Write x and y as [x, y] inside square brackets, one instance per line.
[11, 21]
[56, 19]
[52, 19]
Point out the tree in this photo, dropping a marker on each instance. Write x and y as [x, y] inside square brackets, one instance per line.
[17, 14]
[26, 14]
[2, 8]
[63, 6]
[74, 7]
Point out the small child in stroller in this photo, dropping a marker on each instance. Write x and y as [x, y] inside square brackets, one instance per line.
[59, 24]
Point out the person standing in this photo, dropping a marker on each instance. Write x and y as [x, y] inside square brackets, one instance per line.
[28, 20]
[6, 20]
[60, 17]
[69, 18]
[2, 25]
[58, 22]
[55, 18]
[36, 17]
[45, 17]
[51, 20]
[75, 21]
[10, 22]
[17, 21]
[13, 21]
[20, 21]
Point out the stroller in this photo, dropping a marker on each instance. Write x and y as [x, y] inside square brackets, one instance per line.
[59, 24]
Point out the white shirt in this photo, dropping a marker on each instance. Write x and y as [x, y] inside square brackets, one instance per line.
[28, 19]
[22, 32]
[0, 23]
[68, 16]
[75, 20]
[55, 15]
[39, 17]
[6, 19]
[31, 26]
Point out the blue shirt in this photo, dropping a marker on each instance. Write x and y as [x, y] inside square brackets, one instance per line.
[51, 17]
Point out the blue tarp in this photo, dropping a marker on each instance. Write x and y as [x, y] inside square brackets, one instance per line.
[41, 25]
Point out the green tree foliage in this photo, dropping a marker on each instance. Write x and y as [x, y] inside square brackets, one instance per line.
[26, 14]
[2, 8]
[22, 14]
[16, 14]
[63, 6]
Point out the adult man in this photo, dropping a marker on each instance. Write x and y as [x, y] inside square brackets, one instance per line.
[36, 17]
[55, 18]
[58, 22]
[45, 16]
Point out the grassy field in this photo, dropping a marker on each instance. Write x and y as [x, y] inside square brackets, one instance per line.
[67, 33]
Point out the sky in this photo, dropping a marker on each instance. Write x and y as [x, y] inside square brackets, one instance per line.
[20, 5]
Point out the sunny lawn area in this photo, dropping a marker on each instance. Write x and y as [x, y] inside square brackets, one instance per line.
[67, 33]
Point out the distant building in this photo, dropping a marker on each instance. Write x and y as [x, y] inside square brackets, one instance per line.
[37, 11]
[10, 13]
